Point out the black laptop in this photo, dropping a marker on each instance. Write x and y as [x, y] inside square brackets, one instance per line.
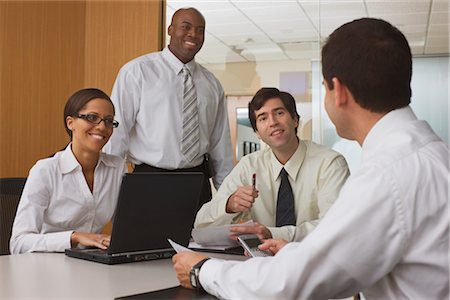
[151, 208]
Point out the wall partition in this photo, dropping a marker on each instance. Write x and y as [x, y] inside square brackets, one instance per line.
[50, 49]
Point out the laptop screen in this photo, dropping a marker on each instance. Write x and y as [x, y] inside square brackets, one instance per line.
[153, 207]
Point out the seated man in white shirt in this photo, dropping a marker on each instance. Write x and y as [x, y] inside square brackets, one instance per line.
[387, 234]
[315, 174]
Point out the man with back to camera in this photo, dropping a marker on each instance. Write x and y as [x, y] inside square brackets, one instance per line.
[387, 234]
[172, 111]
[314, 173]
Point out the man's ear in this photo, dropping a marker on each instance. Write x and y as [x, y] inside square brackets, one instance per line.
[297, 121]
[170, 30]
[340, 92]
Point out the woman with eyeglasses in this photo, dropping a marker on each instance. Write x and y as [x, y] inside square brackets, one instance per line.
[69, 197]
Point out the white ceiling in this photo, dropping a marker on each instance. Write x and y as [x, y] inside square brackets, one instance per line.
[249, 30]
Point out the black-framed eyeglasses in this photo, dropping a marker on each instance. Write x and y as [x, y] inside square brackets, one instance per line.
[94, 119]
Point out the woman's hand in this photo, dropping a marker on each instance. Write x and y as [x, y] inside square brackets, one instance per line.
[90, 239]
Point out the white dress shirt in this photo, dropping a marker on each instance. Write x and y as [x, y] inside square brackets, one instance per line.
[316, 174]
[387, 234]
[57, 200]
[148, 96]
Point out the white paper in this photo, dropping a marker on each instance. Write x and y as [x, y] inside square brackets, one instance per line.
[217, 235]
[177, 247]
[194, 246]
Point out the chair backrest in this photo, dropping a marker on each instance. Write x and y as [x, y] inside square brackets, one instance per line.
[10, 192]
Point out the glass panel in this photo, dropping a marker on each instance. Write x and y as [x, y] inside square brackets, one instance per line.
[246, 140]
[430, 92]
[430, 78]
[254, 44]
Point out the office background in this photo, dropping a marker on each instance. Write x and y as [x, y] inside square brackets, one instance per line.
[49, 49]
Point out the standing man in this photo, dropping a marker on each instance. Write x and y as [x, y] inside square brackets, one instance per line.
[172, 111]
[312, 174]
[387, 235]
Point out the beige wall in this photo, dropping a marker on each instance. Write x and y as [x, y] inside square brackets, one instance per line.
[50, 49]
[242, 80]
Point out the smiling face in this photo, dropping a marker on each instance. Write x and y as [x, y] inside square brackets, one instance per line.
[187, 33]
[86, 136]
[276, 127]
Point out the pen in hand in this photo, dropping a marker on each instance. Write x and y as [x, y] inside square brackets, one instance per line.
[245, 216]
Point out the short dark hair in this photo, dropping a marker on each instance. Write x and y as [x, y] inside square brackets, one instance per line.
[78, 100]
[263, 95]
[373, 59]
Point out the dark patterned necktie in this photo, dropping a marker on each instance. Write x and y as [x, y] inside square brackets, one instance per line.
[190, 138]
[285, 202]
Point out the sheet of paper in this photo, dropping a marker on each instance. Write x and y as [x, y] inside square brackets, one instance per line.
[217, 235]
[193, 245]
[177, 247]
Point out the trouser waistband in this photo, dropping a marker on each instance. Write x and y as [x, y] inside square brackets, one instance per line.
[203, 168]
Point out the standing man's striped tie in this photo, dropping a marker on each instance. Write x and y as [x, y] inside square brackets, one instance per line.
[190, 138]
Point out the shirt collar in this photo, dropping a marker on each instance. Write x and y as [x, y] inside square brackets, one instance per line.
[68, 162]
[175, 64]
[393, 120]
[293, 165]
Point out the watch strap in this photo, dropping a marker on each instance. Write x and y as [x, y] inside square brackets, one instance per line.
[195, 271]
[200, 263]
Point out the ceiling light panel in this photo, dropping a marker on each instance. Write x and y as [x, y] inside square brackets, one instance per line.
[350, 10]
[232, 28]
[273, 12]
[244, 38]
[286, 26]
[437, 41]
[440, 5]
[202, 5]
[235, 28]
[377, 7]
[416, 18]
[224, 17]
[439, 18]
[440, 30]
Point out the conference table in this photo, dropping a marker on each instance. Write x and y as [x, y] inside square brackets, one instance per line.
[56, 276]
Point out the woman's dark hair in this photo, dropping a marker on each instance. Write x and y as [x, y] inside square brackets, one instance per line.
[78, 100]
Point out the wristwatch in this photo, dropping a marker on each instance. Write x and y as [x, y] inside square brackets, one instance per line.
[194, 275]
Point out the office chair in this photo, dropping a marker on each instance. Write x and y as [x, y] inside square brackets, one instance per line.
[10, 192]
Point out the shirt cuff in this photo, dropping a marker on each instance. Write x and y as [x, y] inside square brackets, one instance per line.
[58, 241]
[208, 274]
[281, 233]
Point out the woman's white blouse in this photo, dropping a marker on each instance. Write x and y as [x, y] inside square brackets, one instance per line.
[57, 201]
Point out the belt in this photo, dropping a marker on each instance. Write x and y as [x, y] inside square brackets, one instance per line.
[203, 168]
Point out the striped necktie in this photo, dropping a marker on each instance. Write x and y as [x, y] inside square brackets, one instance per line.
[285, 202]
[190, 138]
